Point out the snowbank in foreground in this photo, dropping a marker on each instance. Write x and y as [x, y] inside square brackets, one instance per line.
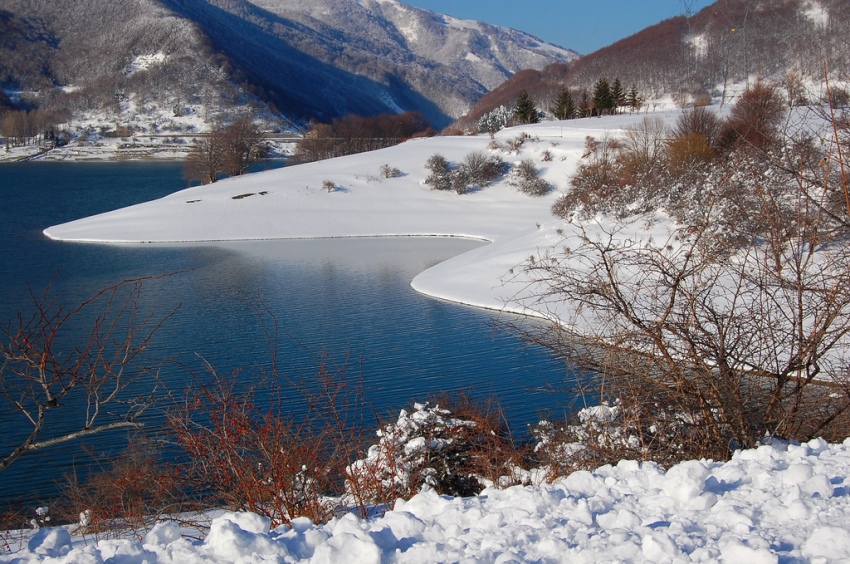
[771, 504]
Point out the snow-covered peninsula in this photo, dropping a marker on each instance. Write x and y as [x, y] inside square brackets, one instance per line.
[292, 203]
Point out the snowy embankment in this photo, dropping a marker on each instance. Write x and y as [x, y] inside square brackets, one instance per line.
[291, 203]
[773, 504]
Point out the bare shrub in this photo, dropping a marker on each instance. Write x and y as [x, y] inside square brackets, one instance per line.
[838, 97]
[642, 152]
[795, 89]
[461, 179]
[526, 177]
[131, 494]
[735, 329]
[483, 170]
[390, 172]
[701, 121]
[477, 170]
[247, 458]
[595, 185]
[688, 152]
[514, 145]
[328, 186]
[754, 119]
[13, 529]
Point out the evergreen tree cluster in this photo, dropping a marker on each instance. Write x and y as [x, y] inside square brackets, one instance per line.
[606, 98]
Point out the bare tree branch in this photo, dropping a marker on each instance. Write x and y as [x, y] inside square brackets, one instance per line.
[42, 371]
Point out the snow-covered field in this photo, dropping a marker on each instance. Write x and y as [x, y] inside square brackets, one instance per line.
[774, 504]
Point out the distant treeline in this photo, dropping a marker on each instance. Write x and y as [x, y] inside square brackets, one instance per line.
[357, 134]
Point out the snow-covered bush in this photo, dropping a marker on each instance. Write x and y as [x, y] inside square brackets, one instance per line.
[526, 177]
[401, 463]
[454, 451]
[607, 433]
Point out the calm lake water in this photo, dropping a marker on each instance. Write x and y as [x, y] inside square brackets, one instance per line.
[347, 298]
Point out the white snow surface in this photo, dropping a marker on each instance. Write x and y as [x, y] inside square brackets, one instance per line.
[776, 503]
[143, 62]
[291, 203]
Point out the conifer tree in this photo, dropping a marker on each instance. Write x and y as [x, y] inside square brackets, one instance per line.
[584, 104]
[618, 94]
[525, 111]
[633, 99]
[603, 100]
[564, 107]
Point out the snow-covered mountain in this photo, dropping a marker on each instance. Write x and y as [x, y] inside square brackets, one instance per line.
[317, 59]
[332, 57]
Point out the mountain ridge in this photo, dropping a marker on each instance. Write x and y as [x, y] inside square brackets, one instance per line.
[303, 61]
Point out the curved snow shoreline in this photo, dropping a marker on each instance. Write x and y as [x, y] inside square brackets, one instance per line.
[290, 203]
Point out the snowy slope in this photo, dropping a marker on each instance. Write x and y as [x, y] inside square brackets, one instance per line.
[774, 504]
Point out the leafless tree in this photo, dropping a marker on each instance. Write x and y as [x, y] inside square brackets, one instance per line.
[225, 150]
[353, 134]
[738, 324]
[43, 372]
[205, 161]
[243, 145]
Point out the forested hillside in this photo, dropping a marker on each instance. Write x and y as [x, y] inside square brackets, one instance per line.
[57, 64]
[166, 59]
[725, 43]
[698, 57]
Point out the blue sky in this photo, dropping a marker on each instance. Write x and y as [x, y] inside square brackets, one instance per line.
[583, 25]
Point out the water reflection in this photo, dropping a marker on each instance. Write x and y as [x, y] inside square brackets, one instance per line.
[349, 298]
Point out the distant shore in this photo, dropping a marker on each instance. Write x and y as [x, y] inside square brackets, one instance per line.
[145, 148]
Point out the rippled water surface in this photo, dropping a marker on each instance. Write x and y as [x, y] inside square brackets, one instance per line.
[349, 299]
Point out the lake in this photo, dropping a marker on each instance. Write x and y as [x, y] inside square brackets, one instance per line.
[349, 299]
